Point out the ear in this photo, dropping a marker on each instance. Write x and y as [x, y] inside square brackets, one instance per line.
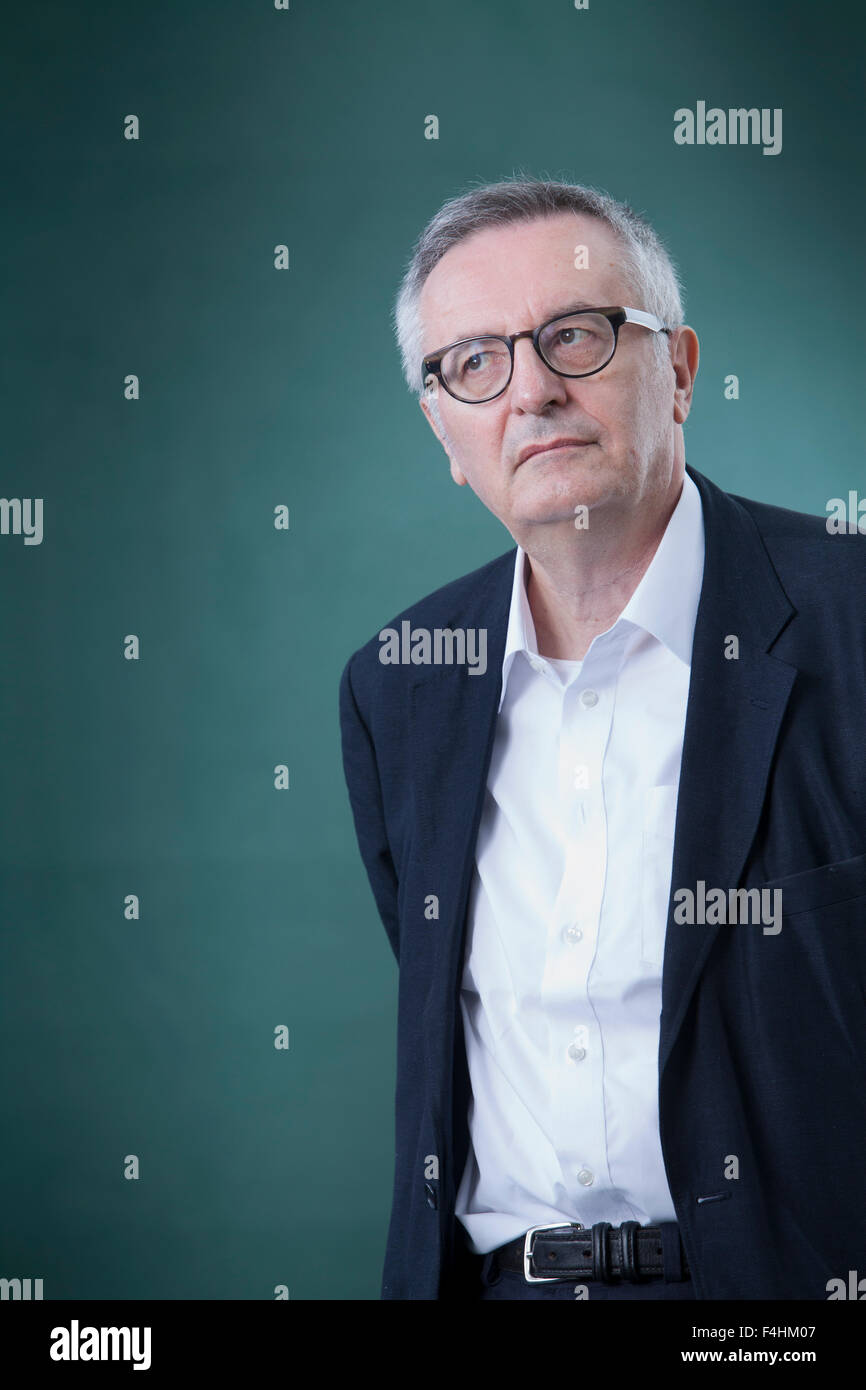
[424, 402]
[685, 354]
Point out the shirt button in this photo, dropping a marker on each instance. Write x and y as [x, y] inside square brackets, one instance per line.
[588, 698]
[576, 1053]
[572, 934]
[585, 1177]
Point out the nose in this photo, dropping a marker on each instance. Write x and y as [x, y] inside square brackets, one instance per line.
[533, 385]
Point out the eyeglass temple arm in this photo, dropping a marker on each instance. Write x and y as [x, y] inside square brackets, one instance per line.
[648, 320]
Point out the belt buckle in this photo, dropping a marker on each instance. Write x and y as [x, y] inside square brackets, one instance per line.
[527, 1251]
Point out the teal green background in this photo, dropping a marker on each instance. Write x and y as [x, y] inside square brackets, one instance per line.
[155, 776]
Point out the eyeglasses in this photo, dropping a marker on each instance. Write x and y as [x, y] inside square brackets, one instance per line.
[475, 370]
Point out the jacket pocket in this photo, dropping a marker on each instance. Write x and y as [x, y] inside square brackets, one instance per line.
[821, 887]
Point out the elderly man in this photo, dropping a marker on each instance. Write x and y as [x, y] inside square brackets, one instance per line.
[621, 862]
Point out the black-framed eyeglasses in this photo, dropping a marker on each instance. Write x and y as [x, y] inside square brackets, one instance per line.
[580, 343]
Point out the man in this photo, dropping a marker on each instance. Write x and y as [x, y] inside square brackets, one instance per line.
[609, 791]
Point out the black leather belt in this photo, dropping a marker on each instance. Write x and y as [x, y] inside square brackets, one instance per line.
[629, 1252]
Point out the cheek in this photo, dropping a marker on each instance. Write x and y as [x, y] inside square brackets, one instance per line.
[641, 414]
[477, 445]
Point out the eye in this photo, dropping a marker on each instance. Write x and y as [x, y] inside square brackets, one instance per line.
[475, 362]
[480, 360]
[567, 337]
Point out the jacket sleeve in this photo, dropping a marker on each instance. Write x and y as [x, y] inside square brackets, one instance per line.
[365, 797]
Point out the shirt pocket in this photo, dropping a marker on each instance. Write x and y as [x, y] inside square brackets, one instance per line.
[657, 850]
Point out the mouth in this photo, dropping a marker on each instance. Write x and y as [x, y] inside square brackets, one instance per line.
[555, 446]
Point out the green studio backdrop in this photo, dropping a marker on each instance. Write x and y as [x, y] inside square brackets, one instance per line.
[151, 780]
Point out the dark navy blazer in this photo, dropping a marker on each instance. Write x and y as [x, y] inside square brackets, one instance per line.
[762, 1052]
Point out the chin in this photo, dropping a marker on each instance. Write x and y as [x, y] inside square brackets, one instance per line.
[547, 516]
[554, 503]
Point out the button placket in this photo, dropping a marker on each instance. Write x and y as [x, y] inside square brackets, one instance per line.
[578, 1089]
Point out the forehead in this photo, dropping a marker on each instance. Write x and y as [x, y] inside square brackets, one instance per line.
[503, 279]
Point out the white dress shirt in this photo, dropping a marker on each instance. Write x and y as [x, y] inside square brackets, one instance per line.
[561, 988]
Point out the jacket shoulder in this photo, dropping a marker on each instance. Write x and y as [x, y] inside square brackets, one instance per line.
[784, 521]
[443, 607]
[808, 557]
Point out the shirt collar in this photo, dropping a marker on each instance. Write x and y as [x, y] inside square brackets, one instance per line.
[665, 602]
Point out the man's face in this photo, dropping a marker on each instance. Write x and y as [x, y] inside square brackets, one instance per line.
[627, 416]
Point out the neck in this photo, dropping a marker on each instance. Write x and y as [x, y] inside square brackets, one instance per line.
[579, 581]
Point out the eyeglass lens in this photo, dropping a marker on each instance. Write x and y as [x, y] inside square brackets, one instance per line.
[575, 346]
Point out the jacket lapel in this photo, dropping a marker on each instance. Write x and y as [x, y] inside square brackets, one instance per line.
[734, 712]
[453, 721]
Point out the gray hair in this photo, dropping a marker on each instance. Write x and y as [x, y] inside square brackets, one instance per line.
[647, 264]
